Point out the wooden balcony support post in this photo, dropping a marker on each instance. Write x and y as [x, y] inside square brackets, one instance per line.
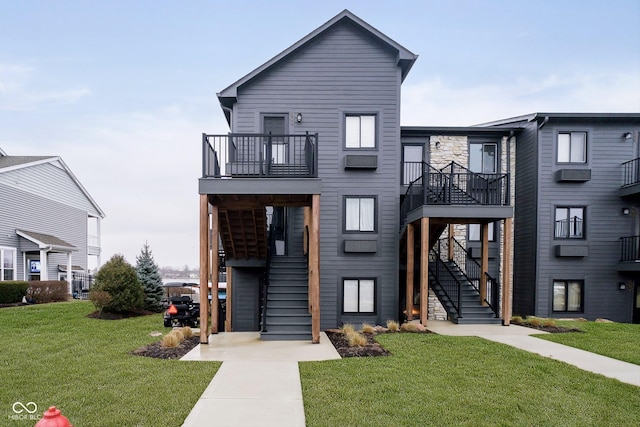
[204, 268]
[410, 271]
[424, 270]
[314, 268]
[506, 271]
[451, 232]
[484, 261]
[227, 320]
[214, 269]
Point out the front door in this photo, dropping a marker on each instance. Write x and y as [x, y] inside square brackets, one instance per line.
[636, 303]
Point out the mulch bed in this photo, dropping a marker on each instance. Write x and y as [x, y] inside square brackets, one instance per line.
[158, 351]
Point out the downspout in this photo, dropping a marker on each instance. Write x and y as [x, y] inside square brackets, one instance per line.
[544, 122]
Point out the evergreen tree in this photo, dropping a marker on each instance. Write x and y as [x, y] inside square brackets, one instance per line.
[149, 276]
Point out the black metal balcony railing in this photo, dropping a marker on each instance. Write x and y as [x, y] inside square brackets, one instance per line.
[266, 155]
[630, 248]
[631, 172]
[455, 185]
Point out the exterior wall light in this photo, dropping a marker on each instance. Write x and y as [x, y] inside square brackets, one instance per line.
[622, 286]
[626, 211]
[299, 117]
[628, 136]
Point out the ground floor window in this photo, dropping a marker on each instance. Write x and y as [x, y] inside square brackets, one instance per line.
[568, 295]
[7, 263]
[358, 295]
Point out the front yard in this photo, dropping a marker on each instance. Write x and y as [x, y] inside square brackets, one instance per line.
[54, 355]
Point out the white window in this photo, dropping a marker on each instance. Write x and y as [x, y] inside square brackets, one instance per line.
[7, 263]
[360, 213]
[474, 232]
[572, 147]
[358, 295]
[360, 131]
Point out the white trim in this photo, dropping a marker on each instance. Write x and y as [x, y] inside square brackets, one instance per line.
[15, 262]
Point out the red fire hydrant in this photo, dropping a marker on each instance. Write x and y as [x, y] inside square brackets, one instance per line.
[53, 418]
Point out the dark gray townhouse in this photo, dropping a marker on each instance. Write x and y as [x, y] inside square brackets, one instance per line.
[329, 212]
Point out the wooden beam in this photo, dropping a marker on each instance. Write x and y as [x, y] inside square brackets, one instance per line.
[314, 268]
[484, 261]
[214, 270]
[424, 270]
[227, 321]
[506, 271]
[305, 235]
[410, 271]
[204, 268]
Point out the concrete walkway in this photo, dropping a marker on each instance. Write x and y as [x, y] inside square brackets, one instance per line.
[519, 337]
[258, 383]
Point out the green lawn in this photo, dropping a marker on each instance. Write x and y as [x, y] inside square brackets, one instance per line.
[618, 340]
[461, 381]
[54, 355]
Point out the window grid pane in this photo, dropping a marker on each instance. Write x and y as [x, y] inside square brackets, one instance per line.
[352, 132]
[559, 298]
[353, 214]
[564, 147]
[366, 214]
[350, 296]
[366, 296]
[367, 131]
[574, 296]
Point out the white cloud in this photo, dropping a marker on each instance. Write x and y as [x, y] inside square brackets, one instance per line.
[436, 102]
[17, 91]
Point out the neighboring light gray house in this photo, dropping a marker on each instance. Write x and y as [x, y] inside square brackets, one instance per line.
[330, 213]
[577, 217]
[49, 223]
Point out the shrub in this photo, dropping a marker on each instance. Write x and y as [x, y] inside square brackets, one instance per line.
[368, 329]
[100, 299]
[347, 328]
[534, 321]
[170, 340]
[548, 323]
[48, 291]
[517, 320]
[410, 327]
[356, 339]
[118, 278]
[187, 331]
[178, 333]
[12, 291]
[393, 326]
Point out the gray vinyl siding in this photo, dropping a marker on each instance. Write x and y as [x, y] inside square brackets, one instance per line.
[27, 211]
[604, 222]
[525, 235]
[51, 181]
[343, 71]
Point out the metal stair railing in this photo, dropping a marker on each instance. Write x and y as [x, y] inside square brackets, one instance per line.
[445, 278]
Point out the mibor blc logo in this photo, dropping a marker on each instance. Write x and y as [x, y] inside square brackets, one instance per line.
[24, 411]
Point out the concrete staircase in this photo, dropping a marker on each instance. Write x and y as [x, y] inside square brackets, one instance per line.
[473, 312]
[287, 316]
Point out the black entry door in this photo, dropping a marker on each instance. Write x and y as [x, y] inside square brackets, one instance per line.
[636, 304]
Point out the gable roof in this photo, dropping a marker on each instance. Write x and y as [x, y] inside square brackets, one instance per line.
[406, 58]
[11, 163]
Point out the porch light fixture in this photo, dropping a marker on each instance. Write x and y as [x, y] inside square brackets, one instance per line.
[627, 136]
[299, 117]
[626, 211]
[438, 144]
[622, 286]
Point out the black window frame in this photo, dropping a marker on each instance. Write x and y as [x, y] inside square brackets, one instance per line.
[375, 213]
[492, 233]
[375, 297]
[566, 295]
[570, 133]
[375, 129]
[496, 160]
[568, 235]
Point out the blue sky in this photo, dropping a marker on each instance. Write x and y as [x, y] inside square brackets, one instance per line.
[123, 90]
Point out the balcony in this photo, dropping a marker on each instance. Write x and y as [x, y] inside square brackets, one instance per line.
[260, 155]
[630, 179]
[629, 254]
[456, 192]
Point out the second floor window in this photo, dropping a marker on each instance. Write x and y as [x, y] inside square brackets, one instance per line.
[360, 213]
[360, 131]
[474, 232]
[569, 223]
[483, 158]
[572, 147]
